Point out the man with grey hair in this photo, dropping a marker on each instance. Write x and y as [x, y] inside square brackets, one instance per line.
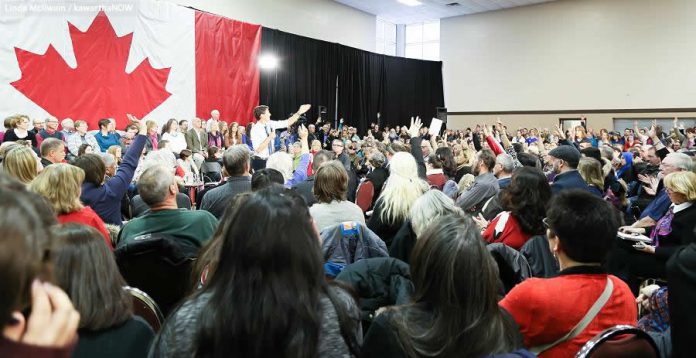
[158, 189]
[503, 169]
[237, 162]
[52, 151]
[68, 129]
[672, 163]
[378, 173]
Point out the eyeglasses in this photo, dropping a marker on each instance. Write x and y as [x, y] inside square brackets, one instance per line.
[337, 145]
[545, 221]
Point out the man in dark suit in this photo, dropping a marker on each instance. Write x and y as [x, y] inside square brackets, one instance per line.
[306, 187]
[565, 159]
[379, 174]
[197, 141]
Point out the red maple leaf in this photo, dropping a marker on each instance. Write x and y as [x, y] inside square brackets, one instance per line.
[99, 87]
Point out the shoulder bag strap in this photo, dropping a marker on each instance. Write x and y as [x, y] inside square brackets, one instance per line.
[584, 322]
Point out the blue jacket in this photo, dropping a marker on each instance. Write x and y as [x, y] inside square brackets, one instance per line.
[568, 180]
[106, 199]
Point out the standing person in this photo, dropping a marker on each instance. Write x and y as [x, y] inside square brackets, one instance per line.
[293, 313]
[80, 137]
[263, 133]
[197, 141]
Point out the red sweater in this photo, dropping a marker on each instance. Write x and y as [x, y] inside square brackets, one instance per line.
[510, 235]
[547, 309]
[88, 217]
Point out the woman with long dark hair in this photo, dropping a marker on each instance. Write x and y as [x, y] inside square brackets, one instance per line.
[268, 296]
[524, 203]
[454, 311]
[87, 271]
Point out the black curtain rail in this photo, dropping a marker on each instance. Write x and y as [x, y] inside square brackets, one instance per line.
[368, 83]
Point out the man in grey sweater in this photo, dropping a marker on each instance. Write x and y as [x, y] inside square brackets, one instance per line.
[485, 185]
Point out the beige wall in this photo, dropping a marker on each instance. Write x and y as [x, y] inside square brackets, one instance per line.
[320, 19]
[595, 121]
[572, 55]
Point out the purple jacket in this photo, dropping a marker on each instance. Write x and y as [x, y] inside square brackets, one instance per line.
[106, 199]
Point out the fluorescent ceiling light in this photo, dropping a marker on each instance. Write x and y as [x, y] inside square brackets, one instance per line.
[410, 2]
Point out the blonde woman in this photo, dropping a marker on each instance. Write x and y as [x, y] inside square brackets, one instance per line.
[401, 190]
[591, 171]
[21, 163]
[60, 183]
[117, 152]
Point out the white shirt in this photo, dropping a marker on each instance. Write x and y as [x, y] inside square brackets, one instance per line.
[177, 142]
[679, 207]
[259, 133]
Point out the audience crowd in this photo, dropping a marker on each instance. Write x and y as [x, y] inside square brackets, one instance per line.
[295, 238]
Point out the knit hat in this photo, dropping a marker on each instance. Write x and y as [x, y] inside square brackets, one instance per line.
[567, 153]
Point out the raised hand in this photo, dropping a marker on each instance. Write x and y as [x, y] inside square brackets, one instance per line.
[414, 128]
[558, 131]
[302, 132]
[303, 109]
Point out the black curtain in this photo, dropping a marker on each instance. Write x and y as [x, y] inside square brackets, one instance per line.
[368, 83]
[306, 73]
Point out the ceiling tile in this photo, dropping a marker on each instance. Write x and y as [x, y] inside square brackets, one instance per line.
[393, 11]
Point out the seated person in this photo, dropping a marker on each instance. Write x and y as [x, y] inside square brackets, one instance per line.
[158, 189]
[211, 168]
[49, 329]
[524, 202]
[330, 188]
[87, 271]
[139, 208]
[267, 291]
[671, 232]
[237, 165]
[581, 228]
[454, 311]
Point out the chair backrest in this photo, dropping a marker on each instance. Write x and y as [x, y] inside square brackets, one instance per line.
[619, 342]
[159, 265]
[536, 251]
[348, 242]
[513, 267]
[363, 197]
[146, 308]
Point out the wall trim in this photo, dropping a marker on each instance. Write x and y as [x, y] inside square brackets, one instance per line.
[574, 111]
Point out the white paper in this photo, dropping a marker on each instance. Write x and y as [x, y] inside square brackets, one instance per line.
[435, 126]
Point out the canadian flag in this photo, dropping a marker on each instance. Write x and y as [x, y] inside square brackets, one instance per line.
[155, 60]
